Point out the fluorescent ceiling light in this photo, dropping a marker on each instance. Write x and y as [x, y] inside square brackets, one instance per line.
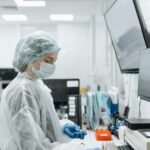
[22, 3]
[15, 17]
[56, 17]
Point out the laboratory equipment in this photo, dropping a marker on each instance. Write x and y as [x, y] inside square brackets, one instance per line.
[66, 96]
[135, 124]
[128, 33]
[125, 147]
[6, 75]
[74, 109]
[136, 140]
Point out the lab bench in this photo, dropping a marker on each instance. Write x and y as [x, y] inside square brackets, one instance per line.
[91, 142]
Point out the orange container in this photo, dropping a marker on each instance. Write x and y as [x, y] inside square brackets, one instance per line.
[103, 135]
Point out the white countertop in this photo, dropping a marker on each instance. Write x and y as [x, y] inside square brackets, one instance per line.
[90, 141]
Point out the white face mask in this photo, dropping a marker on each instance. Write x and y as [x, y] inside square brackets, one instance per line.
[45, 71]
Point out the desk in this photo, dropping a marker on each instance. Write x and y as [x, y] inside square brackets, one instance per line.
[90, 141]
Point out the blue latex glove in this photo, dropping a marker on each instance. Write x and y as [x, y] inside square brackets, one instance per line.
[119, 123]
[82, 134]
[73, 131]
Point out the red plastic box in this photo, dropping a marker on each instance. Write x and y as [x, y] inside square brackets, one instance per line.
[103, 135]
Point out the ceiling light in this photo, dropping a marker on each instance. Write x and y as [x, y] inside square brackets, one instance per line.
[15, 17]
[56, 17]
[22, 3]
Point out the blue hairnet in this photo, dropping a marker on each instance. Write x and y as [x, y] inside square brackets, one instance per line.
[32, 47]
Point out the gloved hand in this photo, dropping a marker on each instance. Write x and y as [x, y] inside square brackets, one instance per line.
[73, 131]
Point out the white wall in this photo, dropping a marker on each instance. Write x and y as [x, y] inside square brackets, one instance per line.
[27, 29]
[74, 60]
[9, 36]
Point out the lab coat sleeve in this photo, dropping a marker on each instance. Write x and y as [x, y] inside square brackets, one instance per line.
[25, 122]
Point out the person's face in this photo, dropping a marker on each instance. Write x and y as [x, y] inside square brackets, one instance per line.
[47, 58]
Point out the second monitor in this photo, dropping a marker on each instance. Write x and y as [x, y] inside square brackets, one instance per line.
[144, 75]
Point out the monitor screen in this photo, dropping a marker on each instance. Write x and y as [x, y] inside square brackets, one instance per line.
[7, 74]
[61, 88]
[126, 31]
[144, 75]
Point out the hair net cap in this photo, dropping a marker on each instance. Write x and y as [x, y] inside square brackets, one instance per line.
[32, 47]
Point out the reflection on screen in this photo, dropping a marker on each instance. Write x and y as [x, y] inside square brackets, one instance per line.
[144, 76]
[126, 33]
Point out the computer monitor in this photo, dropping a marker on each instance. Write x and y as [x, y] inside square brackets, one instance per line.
[62, 88]
[67, 92]
[144, 76]
[128, 33]
[7, 74]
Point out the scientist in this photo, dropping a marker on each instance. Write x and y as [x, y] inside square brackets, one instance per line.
[28, 120]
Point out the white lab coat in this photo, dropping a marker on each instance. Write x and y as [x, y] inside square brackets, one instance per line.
[28, 120]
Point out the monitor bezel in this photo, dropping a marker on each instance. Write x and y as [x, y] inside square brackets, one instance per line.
[143, 29]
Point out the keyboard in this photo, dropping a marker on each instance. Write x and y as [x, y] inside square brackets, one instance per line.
[125, 147]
